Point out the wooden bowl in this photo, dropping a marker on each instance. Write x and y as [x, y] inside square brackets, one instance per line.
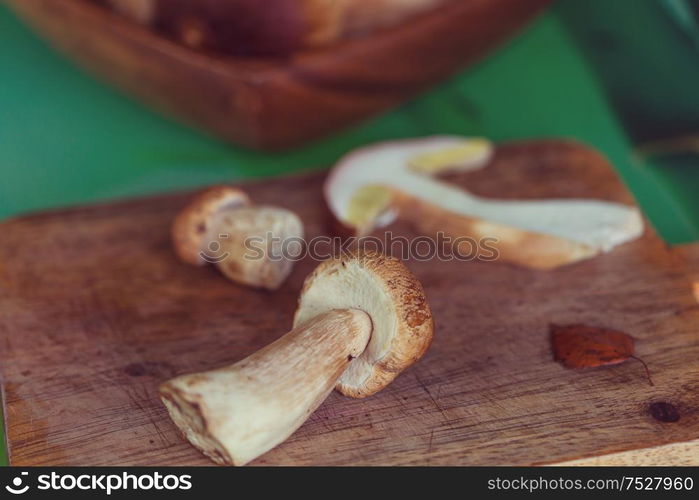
[267, 103]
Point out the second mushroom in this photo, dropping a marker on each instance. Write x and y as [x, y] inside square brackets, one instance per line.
[246, 242]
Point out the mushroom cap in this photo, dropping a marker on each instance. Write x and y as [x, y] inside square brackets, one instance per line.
[381, 286]
[192, 230]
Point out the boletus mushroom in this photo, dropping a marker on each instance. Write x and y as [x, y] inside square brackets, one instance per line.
[361, 321]
[268, 27]
[371, 186]
[246, 242]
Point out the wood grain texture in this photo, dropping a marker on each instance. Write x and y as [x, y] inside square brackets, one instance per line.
[277, 103]
[97, 311]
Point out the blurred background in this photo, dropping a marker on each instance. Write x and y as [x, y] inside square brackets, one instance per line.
[621, 76]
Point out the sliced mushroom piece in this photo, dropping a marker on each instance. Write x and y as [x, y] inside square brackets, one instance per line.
[369, 187]
[251, 245]
[361, 321]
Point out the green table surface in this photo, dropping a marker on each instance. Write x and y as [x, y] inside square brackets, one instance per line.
[66, 139]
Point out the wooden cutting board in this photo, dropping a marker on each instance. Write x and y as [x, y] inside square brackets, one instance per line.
[96, 312]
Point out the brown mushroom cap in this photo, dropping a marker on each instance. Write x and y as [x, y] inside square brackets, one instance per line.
[392, 296]
[192, 230]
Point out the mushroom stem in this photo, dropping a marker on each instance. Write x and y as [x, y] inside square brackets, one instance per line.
[235, 414]
[251, 244]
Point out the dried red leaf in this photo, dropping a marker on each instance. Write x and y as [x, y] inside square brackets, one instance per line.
[580, 346]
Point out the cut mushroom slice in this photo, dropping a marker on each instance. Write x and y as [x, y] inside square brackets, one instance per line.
[251, 245]
[361, 321]
[369, 187]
